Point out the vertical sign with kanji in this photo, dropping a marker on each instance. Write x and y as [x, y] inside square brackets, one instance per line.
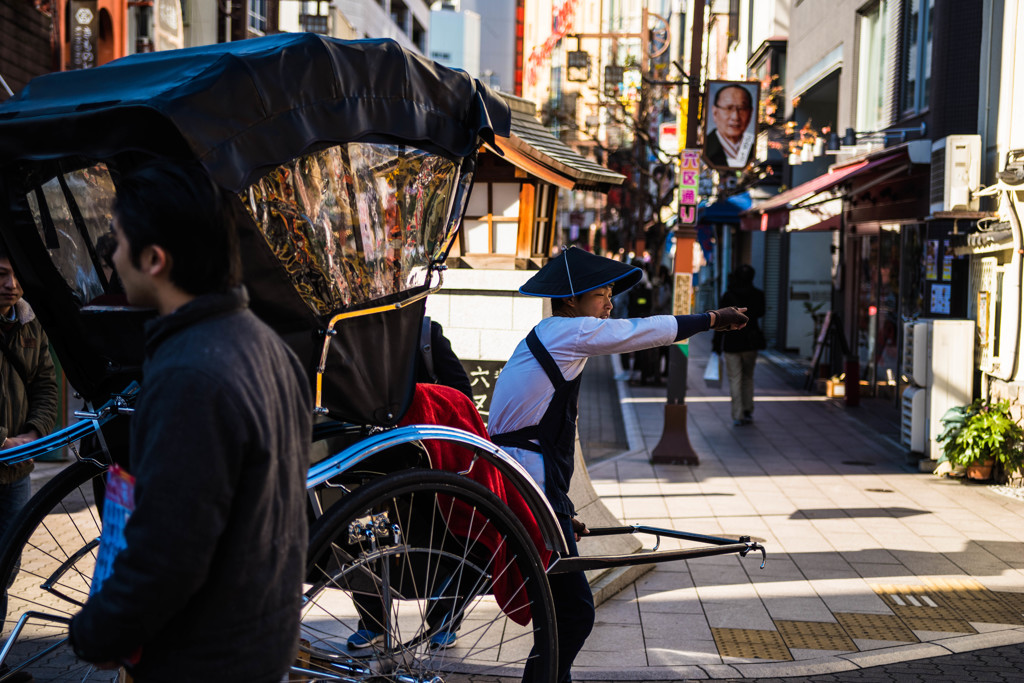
[84, 33]
[482, 376]
[689, 172]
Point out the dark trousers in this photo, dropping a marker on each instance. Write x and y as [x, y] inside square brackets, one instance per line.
[574, 611]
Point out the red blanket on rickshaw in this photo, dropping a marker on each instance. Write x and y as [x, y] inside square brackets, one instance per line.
[440, 405]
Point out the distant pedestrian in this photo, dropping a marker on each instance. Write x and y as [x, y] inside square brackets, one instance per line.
[209, 584]
[740, 347]
[535, 403]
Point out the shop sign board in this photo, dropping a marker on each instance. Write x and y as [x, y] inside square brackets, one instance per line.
[84, 31]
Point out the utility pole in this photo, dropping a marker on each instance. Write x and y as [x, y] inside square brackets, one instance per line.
[674, 446]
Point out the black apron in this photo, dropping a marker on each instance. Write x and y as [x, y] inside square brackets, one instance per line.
[556, 432]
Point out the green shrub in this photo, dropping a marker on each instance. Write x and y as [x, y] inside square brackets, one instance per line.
[979, 432]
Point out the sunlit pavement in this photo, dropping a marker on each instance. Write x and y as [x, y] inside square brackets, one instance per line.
[870, 562]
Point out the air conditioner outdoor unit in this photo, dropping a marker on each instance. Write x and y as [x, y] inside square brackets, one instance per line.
[938, 364]
[956, 172]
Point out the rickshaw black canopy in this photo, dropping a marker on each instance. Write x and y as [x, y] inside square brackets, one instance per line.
[247, 111]
[286, 94]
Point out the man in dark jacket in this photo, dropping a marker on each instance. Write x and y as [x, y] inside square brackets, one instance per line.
[740, 347]
[28, 397]
[209, 584]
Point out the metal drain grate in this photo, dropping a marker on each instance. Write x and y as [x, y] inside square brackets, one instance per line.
[875, 627]
[815, 635]
[751, 644]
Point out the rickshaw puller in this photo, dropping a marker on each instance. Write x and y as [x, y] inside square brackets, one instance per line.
[534, 407]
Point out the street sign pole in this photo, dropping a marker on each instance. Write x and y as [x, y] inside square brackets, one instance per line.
[674, 446]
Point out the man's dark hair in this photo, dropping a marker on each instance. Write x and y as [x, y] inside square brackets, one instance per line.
[179, 208]
[746, 93]
[559, 304]
[4, 254]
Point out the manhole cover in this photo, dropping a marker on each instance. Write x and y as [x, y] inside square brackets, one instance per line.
[879, 490]
[859, 463]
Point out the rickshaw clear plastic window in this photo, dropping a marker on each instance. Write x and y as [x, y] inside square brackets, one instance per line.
[92, 191]
[357, 222]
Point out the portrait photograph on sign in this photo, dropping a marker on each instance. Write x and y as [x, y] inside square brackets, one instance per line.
[730, 123]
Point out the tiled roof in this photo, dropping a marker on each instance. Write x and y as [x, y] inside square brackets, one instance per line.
[533, 140]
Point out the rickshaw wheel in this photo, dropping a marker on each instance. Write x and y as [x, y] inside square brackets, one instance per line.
[406, 556]
[48, 559]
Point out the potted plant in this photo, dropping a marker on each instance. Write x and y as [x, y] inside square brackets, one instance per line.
[977, 436]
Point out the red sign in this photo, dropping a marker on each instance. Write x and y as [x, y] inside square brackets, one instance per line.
[561, 23]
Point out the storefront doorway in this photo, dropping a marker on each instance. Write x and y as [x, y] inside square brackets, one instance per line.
[877, 311]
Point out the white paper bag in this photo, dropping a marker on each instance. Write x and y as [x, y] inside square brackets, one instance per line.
[713, 371]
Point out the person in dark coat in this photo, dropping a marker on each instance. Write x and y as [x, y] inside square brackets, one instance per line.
[437, 363]
[739, 347]
[209, 584]
[28, 402]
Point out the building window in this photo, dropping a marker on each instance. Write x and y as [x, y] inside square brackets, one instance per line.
[917, 55]
[400, 16]
[871, 111]
[258, 17]
[491, 223]
[313, 23]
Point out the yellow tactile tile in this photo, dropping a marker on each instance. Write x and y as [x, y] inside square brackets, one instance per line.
[750, 644]
[974, 602]
[875, 627]
[815, 635]
[1015, 601]
[923, 608]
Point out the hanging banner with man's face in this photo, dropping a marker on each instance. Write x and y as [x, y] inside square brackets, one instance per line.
[730, 123]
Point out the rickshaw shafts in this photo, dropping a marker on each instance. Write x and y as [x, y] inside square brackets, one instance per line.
[724, 546]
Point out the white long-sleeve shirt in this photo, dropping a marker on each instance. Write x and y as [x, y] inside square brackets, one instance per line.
[523, 391]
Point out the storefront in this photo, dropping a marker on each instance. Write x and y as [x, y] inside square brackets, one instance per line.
[869, 218]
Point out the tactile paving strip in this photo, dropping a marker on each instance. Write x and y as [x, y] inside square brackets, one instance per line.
[922, 608]
[875, 627]
[1015, 601]
[815, 635]
[974, 602]
[750, 644]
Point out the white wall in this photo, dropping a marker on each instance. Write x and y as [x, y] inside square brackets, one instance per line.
[202, 26]
[482, 312]
[454, 40]
[497, 39]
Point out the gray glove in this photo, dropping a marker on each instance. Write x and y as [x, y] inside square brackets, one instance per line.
[730, 318]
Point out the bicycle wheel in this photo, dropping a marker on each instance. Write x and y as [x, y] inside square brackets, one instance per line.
[50, 554]
[414, 556]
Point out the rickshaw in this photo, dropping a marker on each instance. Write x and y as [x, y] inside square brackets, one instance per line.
[349, 165]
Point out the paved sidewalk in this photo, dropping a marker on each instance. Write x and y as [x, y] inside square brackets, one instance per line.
[869, 561]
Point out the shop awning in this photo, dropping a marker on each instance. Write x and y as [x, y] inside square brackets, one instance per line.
[531, 147]
[725, 210]
[806, 207]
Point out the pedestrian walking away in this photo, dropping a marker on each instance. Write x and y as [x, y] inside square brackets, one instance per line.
[219, 452]
[534, 406]
[739, 347]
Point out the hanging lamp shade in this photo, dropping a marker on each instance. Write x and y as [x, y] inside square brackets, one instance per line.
[576, 271]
